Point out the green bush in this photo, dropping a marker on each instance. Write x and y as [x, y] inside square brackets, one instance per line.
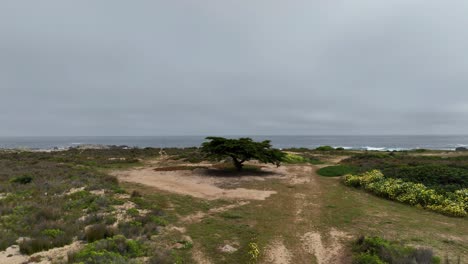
[325, 148]
[366, 258]
[45, 242]
[117, 249]
[440, 173]
[133, 212]
[431, 175]
[98, 232]
[290, 158]
[25, 179]
[338, 170]
[376, 250]
[416, 194]
[53, 233]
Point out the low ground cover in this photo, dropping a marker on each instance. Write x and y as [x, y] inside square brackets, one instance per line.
[438, 172]
[415, 194]
[291, 158]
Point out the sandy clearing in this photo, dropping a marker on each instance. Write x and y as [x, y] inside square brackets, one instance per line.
[191, 183]
[277, 253]
[330, 252]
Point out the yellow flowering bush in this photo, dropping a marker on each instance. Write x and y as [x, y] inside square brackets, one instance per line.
[415, 194]
[352, 180]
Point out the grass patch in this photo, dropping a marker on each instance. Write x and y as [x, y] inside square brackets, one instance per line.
[336, 171]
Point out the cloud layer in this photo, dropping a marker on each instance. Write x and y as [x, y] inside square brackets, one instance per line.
[233, 67]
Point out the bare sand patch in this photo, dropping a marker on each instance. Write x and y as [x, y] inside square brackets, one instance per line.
[277, 253]
[199, 257]
[330, 251]
[193, 183]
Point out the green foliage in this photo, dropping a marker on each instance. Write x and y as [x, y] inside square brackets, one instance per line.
[159, 220]
[241, 150]
[133, 212]
[440, 173]
[290, 158]
[431, 175]
[325, 148]
[376, 250]
[53, 233]
[45, 240]
[117, 249]
[98, 232]
[338, 170]
[24, 179]
[192, 155]
[254, 252]
[416, 194]
[367, 258]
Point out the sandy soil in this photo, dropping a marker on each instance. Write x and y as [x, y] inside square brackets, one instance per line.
[193, 182]
[325, 251]
[277, 253]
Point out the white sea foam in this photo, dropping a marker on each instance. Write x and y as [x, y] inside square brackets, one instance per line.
[374, 148]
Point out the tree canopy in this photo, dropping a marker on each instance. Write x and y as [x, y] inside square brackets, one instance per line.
[241, 150]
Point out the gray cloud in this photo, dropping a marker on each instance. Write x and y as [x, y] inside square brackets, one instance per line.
[233, 67]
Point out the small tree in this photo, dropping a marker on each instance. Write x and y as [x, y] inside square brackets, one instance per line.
[241, 150]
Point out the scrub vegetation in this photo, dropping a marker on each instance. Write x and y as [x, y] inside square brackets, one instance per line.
[402, 207]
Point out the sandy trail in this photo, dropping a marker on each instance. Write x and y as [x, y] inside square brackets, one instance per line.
[190, 182]
[326, 246]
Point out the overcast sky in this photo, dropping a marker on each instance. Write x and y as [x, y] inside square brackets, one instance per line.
[205, 67]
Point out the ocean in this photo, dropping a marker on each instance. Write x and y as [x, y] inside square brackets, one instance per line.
[380, 143]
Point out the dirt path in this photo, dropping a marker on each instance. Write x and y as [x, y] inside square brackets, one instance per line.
[310, 241]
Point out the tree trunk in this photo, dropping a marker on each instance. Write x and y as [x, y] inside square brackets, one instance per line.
[237, 164]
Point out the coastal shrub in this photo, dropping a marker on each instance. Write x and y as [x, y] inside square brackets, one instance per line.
[376, 250]
[52, 233]
[290, 158]
[142, 225]
[117, 249]
[24, 179]
[440, 173]
[338, 170]
[98, 232]
[325, 148]
[49, 239]
[450, 178]
[416, 194]
[7, 238]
